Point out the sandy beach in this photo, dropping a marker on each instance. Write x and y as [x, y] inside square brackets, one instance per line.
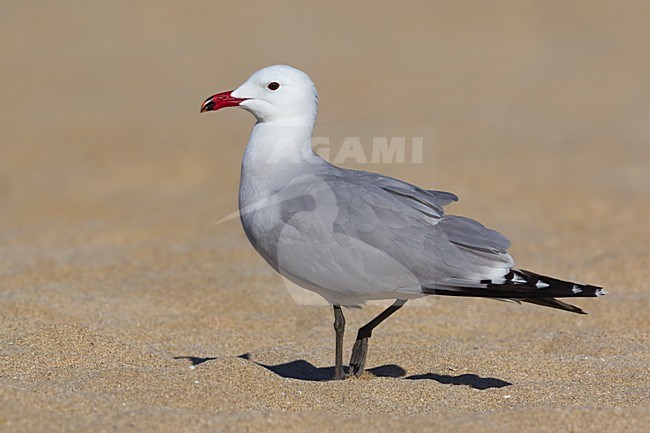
[124, 307]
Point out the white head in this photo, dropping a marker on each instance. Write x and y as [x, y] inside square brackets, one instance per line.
[275, 93]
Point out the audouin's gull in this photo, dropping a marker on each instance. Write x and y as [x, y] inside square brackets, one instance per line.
[353, 236]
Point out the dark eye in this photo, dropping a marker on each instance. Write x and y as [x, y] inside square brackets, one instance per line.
[273, 85]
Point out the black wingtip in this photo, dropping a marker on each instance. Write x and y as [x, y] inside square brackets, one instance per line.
[555, 303]
[554, 287]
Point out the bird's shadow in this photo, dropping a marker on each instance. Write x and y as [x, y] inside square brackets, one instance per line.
[196, 360]
[471, 380]
[303, 370]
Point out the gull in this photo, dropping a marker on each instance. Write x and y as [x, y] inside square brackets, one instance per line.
[353, 236]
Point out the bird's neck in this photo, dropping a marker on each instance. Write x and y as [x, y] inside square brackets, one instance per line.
[279, 149]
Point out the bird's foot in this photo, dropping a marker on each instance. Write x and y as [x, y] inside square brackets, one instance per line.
[358, 358]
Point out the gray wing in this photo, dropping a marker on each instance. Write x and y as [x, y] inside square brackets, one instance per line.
[461, 231]
[413, 196]
[365, 233]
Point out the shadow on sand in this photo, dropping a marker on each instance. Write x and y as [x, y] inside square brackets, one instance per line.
[471, 380]
[195, 360]
[303, 370]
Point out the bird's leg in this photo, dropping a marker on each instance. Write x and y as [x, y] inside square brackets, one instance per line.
[339, 328]
[360, 349]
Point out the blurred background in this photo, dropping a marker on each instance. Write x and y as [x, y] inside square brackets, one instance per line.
[114, 277]
[111, 180]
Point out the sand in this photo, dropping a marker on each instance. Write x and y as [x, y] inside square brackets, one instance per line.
[123, 307]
